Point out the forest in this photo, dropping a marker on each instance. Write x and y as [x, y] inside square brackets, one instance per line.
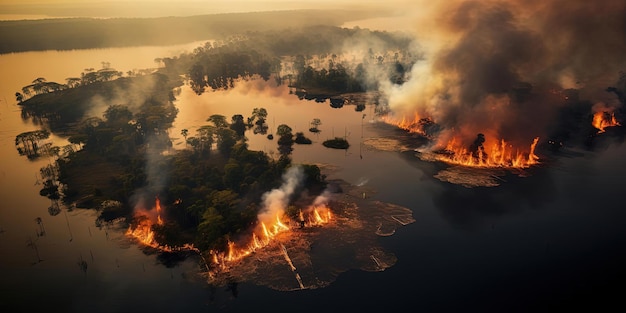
[213, 187]
[89, 33]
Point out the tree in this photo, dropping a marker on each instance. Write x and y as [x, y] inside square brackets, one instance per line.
[218, 120]
[285, 141]
[117, 115]
[184, 132]
[260, 114]
[226, 139]
[314, 125]
[107, 74]
[73, 82]
[211, 228]
[196, 78]
[283, 130]
[205, 139]
[301, 139]
[28, 143]
[336, 143]
[238, 125]
[298, 64]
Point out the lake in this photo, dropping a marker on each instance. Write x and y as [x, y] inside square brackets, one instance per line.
[552, 240]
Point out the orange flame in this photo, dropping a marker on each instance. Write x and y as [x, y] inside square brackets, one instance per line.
[602, 120]
[265, 233]
[415, 125]
[143, 232]
[500, 155]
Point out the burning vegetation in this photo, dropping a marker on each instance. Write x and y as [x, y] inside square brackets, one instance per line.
[267, 231]
[277, 217]
[602, 120]
[308, 248]
[515, 72]
[500, 154]
[142, 229]
[482, 152]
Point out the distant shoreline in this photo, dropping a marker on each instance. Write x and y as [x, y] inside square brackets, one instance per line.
[90, 33]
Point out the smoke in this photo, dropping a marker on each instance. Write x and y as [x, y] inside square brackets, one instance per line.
[276, 200]
[156, 171]
[322, 199]
[501, 67]
[129, 92]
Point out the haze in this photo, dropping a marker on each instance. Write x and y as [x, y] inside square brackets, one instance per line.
[12, 9]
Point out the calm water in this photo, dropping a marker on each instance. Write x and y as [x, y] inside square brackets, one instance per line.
[554, 238]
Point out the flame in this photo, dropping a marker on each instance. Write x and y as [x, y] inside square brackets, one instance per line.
[501, 154]
[265, 233]
[143, 232]
[157, 205]
[415, 125]
[602, 120]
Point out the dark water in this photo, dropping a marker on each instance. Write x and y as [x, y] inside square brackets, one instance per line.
[554, 240]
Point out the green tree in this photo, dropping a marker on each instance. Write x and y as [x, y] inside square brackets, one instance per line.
[283, 130]
[226, 139]
[285, 141]
[210, 229]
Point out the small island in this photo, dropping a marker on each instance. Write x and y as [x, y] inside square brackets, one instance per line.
[336, 143]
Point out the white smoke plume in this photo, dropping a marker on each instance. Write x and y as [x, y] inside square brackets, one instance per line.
[156, 175]
[322, 199]
[276, 200]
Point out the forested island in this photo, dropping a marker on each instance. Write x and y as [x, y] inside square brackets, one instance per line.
[213, 187]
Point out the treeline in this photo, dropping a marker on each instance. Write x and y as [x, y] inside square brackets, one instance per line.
[218, 67]
[307, 57]
[40, 85]
[62, 109]
[87, 33]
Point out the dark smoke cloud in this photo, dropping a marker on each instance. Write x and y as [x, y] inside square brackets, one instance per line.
[500, 67]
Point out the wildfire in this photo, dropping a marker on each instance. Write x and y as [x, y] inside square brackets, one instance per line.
[602, 120]
[416, 125]
[143, 232]
[266, 232]
[501, 154]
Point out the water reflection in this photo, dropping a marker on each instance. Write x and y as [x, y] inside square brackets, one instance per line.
[573, 204]
[474, 207]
